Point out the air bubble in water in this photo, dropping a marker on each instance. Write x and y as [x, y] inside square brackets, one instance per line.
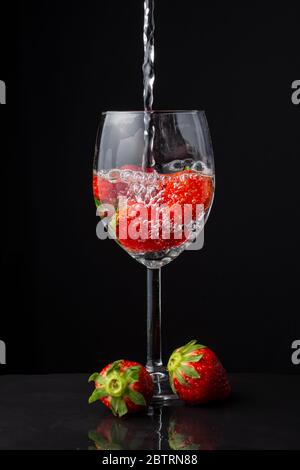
[198, 166]
[188, 162]
[113, 175]
[126, 176]
[175, 165]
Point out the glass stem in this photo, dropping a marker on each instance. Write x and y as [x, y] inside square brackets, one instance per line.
[154, 361]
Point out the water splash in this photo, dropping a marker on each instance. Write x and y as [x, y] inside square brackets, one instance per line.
[148, 80]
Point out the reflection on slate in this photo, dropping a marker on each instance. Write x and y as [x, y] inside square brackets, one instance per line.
[188, 430]
[51, 412]
[130, 433]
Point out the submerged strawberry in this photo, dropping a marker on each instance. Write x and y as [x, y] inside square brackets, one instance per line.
[196, 374]
[140, 229]
[104, 191]
[189, 187]
[123, 386]
[108, 192]
[96, 190]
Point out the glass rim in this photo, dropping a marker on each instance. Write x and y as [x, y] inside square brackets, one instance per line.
[156, 111]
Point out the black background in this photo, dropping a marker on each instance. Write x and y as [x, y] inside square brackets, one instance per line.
[71, 302]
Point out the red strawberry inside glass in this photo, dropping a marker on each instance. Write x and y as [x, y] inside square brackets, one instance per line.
[154, 215]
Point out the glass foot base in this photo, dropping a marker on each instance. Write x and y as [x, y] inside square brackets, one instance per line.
[163, 393]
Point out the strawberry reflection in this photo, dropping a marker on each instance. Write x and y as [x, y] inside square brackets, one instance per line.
[130, 433]
[194, 429]
[176, 427]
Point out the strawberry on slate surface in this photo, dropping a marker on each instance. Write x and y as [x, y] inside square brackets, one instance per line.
[123, 386]
[196, 374]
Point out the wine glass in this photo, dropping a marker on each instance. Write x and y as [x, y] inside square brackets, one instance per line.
[154, 198]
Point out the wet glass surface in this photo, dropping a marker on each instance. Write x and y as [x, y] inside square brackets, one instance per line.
[51, 412]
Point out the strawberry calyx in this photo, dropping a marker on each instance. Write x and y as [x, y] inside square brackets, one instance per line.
[179, 366]
[178, 441]
[101, 443]
[117, 385]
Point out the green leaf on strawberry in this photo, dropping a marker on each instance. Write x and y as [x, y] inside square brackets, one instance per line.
[196, 374]
[132, 374]
[97, 202]
[136, 397]
[178, 365]
[97, 394]
[118, 406]
[180, 379]
[190, 371]
[93, 377]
